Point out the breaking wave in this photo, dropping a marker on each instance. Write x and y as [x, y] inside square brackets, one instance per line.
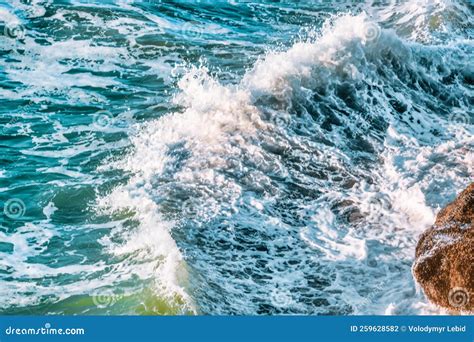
[311, 178]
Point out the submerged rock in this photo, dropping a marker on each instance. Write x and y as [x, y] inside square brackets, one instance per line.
[444, 264]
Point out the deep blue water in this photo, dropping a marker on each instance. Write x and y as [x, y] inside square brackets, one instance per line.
[227, 157]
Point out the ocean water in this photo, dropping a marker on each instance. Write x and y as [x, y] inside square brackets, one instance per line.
[228, 157]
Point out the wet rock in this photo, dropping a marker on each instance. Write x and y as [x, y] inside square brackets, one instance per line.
[444, 263]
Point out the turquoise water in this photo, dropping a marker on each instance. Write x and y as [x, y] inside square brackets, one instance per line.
[227, 157]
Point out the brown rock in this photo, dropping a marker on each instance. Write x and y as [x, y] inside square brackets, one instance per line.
[444, 260]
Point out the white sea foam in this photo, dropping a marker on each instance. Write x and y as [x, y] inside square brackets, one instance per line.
[218, 149]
